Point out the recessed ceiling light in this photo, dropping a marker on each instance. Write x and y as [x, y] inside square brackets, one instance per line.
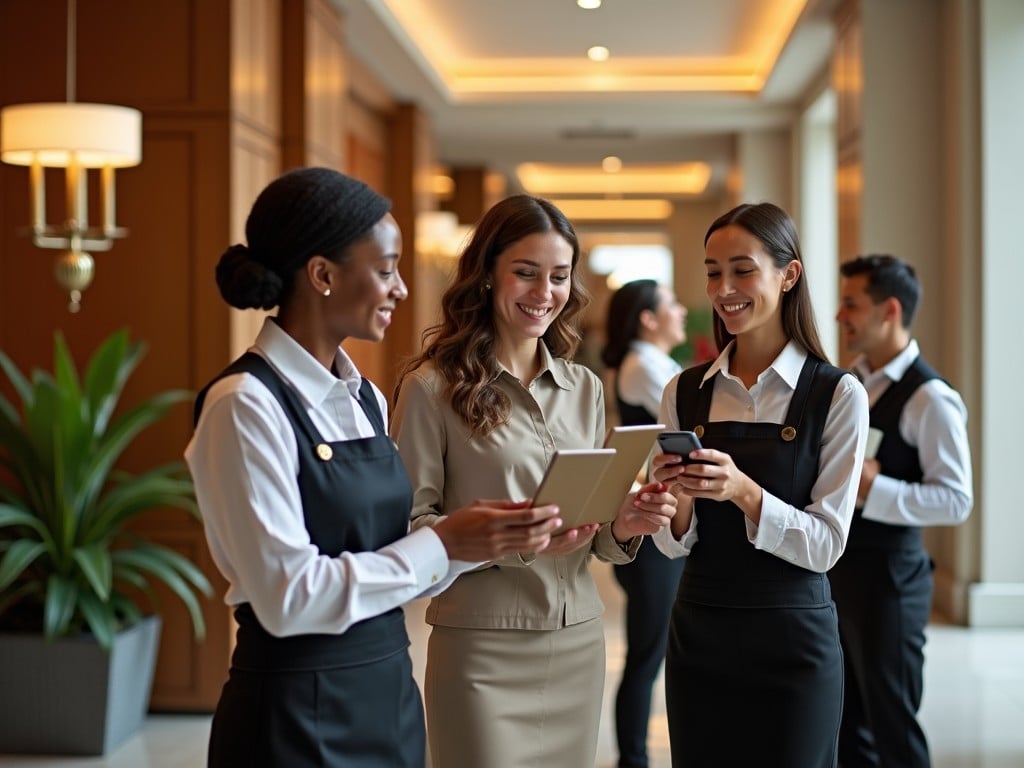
[588, 5]
[612, 164]
[598, 53]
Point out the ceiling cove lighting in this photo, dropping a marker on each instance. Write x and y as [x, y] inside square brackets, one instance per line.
[663, 179]
[461, 76]
[76, 137]
[601, 209]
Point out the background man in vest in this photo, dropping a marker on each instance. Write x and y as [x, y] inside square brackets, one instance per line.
[919, 474]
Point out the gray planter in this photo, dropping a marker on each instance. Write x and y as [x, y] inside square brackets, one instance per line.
[70, 696]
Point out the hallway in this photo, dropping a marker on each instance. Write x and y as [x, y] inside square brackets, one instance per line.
[973, 709]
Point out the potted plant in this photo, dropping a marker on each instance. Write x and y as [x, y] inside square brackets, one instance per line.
[71, 570]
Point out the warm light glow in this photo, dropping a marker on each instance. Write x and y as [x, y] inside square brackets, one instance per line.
[664, 179]
[439, 235]
[55, 134]
[442, 185]
[598, 53]
[615, 210]
[611, 164]
[460, 74]
[588, 5]
[470, 85]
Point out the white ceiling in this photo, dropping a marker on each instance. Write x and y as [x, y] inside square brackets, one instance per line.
[509, 82]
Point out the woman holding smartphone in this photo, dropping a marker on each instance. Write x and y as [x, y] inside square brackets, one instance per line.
[754, 671]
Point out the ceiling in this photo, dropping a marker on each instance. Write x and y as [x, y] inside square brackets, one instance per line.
[507, 83]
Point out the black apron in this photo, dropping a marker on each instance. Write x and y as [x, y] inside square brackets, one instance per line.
[754, 671]
[327, 700]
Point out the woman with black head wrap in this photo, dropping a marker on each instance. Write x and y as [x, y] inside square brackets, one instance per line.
[304, 498]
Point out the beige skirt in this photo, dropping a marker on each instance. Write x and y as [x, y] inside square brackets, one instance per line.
[514, 698]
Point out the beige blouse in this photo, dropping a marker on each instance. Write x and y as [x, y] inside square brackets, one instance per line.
[562, 408]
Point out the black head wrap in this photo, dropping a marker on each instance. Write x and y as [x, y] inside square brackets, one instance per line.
[303, 213]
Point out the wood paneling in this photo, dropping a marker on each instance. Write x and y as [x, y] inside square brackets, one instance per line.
[215, 81]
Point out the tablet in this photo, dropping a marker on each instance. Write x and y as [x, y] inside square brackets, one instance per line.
[570, 480]
[633, 445]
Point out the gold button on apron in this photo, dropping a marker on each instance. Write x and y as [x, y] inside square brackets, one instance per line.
[788, 433]
[324, 452]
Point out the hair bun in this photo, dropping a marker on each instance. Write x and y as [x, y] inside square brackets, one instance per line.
[245, 282]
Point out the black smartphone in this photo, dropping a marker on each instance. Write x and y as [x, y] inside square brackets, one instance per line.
[679, 443]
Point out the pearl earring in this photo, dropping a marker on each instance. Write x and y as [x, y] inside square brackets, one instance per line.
[327, 291]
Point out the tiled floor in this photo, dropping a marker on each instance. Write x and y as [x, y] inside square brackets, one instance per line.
[973, 708]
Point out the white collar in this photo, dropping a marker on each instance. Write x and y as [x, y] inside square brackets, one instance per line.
[787, 365]
[304, 372]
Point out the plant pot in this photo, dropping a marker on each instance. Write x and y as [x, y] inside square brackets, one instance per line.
[71, 697]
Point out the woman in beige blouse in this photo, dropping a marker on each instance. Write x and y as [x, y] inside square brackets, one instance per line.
[515, 661]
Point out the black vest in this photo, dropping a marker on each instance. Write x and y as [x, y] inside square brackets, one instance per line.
[896, 458]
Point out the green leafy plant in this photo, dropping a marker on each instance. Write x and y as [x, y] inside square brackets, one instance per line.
[67, 560]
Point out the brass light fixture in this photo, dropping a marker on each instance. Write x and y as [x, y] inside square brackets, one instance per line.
[76, 137]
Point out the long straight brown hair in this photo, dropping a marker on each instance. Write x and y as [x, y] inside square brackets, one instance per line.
[461, 346]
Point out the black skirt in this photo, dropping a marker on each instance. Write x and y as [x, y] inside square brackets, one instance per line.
[365, 716]
[754, 686]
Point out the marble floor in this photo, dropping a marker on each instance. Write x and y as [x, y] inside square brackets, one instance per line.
[973, 710]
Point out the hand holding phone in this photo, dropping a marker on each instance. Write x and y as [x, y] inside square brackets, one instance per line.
[680, 443]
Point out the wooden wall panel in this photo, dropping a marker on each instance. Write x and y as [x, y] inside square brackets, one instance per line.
[171, 60]
[212, 80]
[314, 85]
[256, 125]
[168, 56]
[255, 64]
[255, 162]
[326, 85]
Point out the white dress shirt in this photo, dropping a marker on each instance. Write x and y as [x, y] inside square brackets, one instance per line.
[813, 537]
[934, 420]
[244, 461]
[643, 374]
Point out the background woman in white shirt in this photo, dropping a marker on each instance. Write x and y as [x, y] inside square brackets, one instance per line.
[754, 671]
[305, 501]
[645, 322]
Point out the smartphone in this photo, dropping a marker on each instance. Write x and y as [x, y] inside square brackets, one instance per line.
[679, 443]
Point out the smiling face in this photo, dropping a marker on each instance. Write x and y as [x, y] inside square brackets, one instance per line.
[744, 285]
[368, 287]
[863, 324]
[530, 284]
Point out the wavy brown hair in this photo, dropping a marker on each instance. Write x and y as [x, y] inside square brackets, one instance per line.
[777, 233]
[462, 345]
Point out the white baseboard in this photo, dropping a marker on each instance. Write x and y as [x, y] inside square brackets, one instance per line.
[996, 604]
